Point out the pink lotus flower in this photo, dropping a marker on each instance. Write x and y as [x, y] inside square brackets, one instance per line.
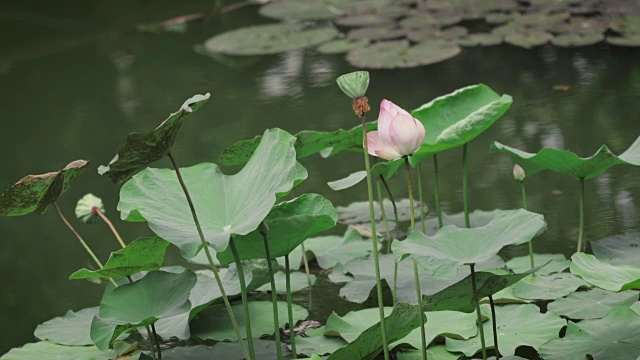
[399, 134]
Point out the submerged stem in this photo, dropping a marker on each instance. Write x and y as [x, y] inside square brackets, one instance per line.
[436, 189]
[264, 231]
[155, 337]
[524, 204]
[465, 188]
[113, 228]
[479, 314]
[581, 230]
[243, 292]
[420, 197]
[292, 332]
[205, 247]
[374, 236]
[495, 327]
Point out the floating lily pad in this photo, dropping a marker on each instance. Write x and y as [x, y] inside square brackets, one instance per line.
[377, 33]
[399, 54]
[555, 263]
[480, 39]
[45, 350]
[272, 170]
[547, 287]
[528, 39]
[358, 212]
[269, 39]
[143, 254]
[341, 46]
[138, 150]
[518, 325]
[300, 10]
[34, 193]
[477, 218]
[592, 304]
[422, 20]
[298, 282]
[331, 251]
[574, 40]
[618, 250]
[449, 34]
[632, 40]
[541, 19]
[316, 343]
[613, 337]
[264, 350]
[70, 329]
[365, 20]
[215, 324]
[581, 25]
[625, 23]
[498, 18]
[568, 163]
[437, 352]
[604, 275]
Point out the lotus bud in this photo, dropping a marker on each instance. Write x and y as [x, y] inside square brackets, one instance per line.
[518, 173]
[354, 84]
[399, 134]
[88, 207]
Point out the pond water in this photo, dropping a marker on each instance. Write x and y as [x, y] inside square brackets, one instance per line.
[75, 80]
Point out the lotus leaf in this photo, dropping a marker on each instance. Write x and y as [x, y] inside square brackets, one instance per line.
[547, 287]
[45, 350]
[480, 39]
[331, 251]
[572, 40]
[300, 10]
[422, 20]
[437, 352]
[604, 275]
[358, 212]
[625, 23]
[341, 46]
[70, 329]
[399, 54]
[223, 203]
[631, 40]
[615, 336]
[34, 193]
[529, 38]
[365, 20]
[143, 254]
[592, 304]
[269, 39]
[449, 34]
[568, 163]
[618, 250]
[555, 263]
[298, 282]
[376, 33]
[138, 150]
[214, 324]
[316, 343]
[519, 325]
[264, 350]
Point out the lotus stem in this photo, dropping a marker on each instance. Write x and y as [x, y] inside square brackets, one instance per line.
[465, 187]
[420, 197]
[395, 214]
[374, 236]
[264, 231]
[479, 314]
[205, 246]
[526, 207]
[243, 292]
[495, 327]
[393, 202]
[581, 230]
[436, 190]
[305, 261]
[292, 333]
[155, 337]
[416, 274]
[113, 228]
[384, 217]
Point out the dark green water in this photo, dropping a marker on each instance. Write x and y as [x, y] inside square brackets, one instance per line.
[74, 79]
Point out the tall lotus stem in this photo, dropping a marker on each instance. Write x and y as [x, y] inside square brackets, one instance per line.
[393, 203]
[465, 188]
[384, 217]
[416, 274]
[581, 230]
[264, 231]
[243, 292]
[292, 333]
[99, 212]
[436, 189]
[155, 337]
[495, 327]
[478, 313]
[395, 214]
[305, 261]
[519, 175]
[421, 198]
[205, 247]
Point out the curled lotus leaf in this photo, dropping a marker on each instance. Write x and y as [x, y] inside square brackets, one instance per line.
[399, 54]
[269, 39]
[377, 33]
[575, 40]
[604, 275]
[631, 40]
[480, 39]
[138, 150]
[341, 46]
[34, 193]
[528, 39]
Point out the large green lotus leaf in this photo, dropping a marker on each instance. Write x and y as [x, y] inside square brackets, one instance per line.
[341, 46]
[316, 343]
[290, 223]
[615, 336]
[455, 119]
[138, 150]
[264, 350]
[618, 250]
[592, 304]
[450, 324]
[307, 144]
[399, 54]
[358, 212]
[403, 319]
[568, 163]
[70, 329]
[330, 251]
[143, 254]
[269, 39]
[45, 350]
[506, 296]
[547, 287]
[477, 218]
[298, 282]
[446, 253]
[518, 325]
[437, 352]
[159, 295]
[34, 193]
[555, 263]
[214, 324]
[604, 275]
[225, 204]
